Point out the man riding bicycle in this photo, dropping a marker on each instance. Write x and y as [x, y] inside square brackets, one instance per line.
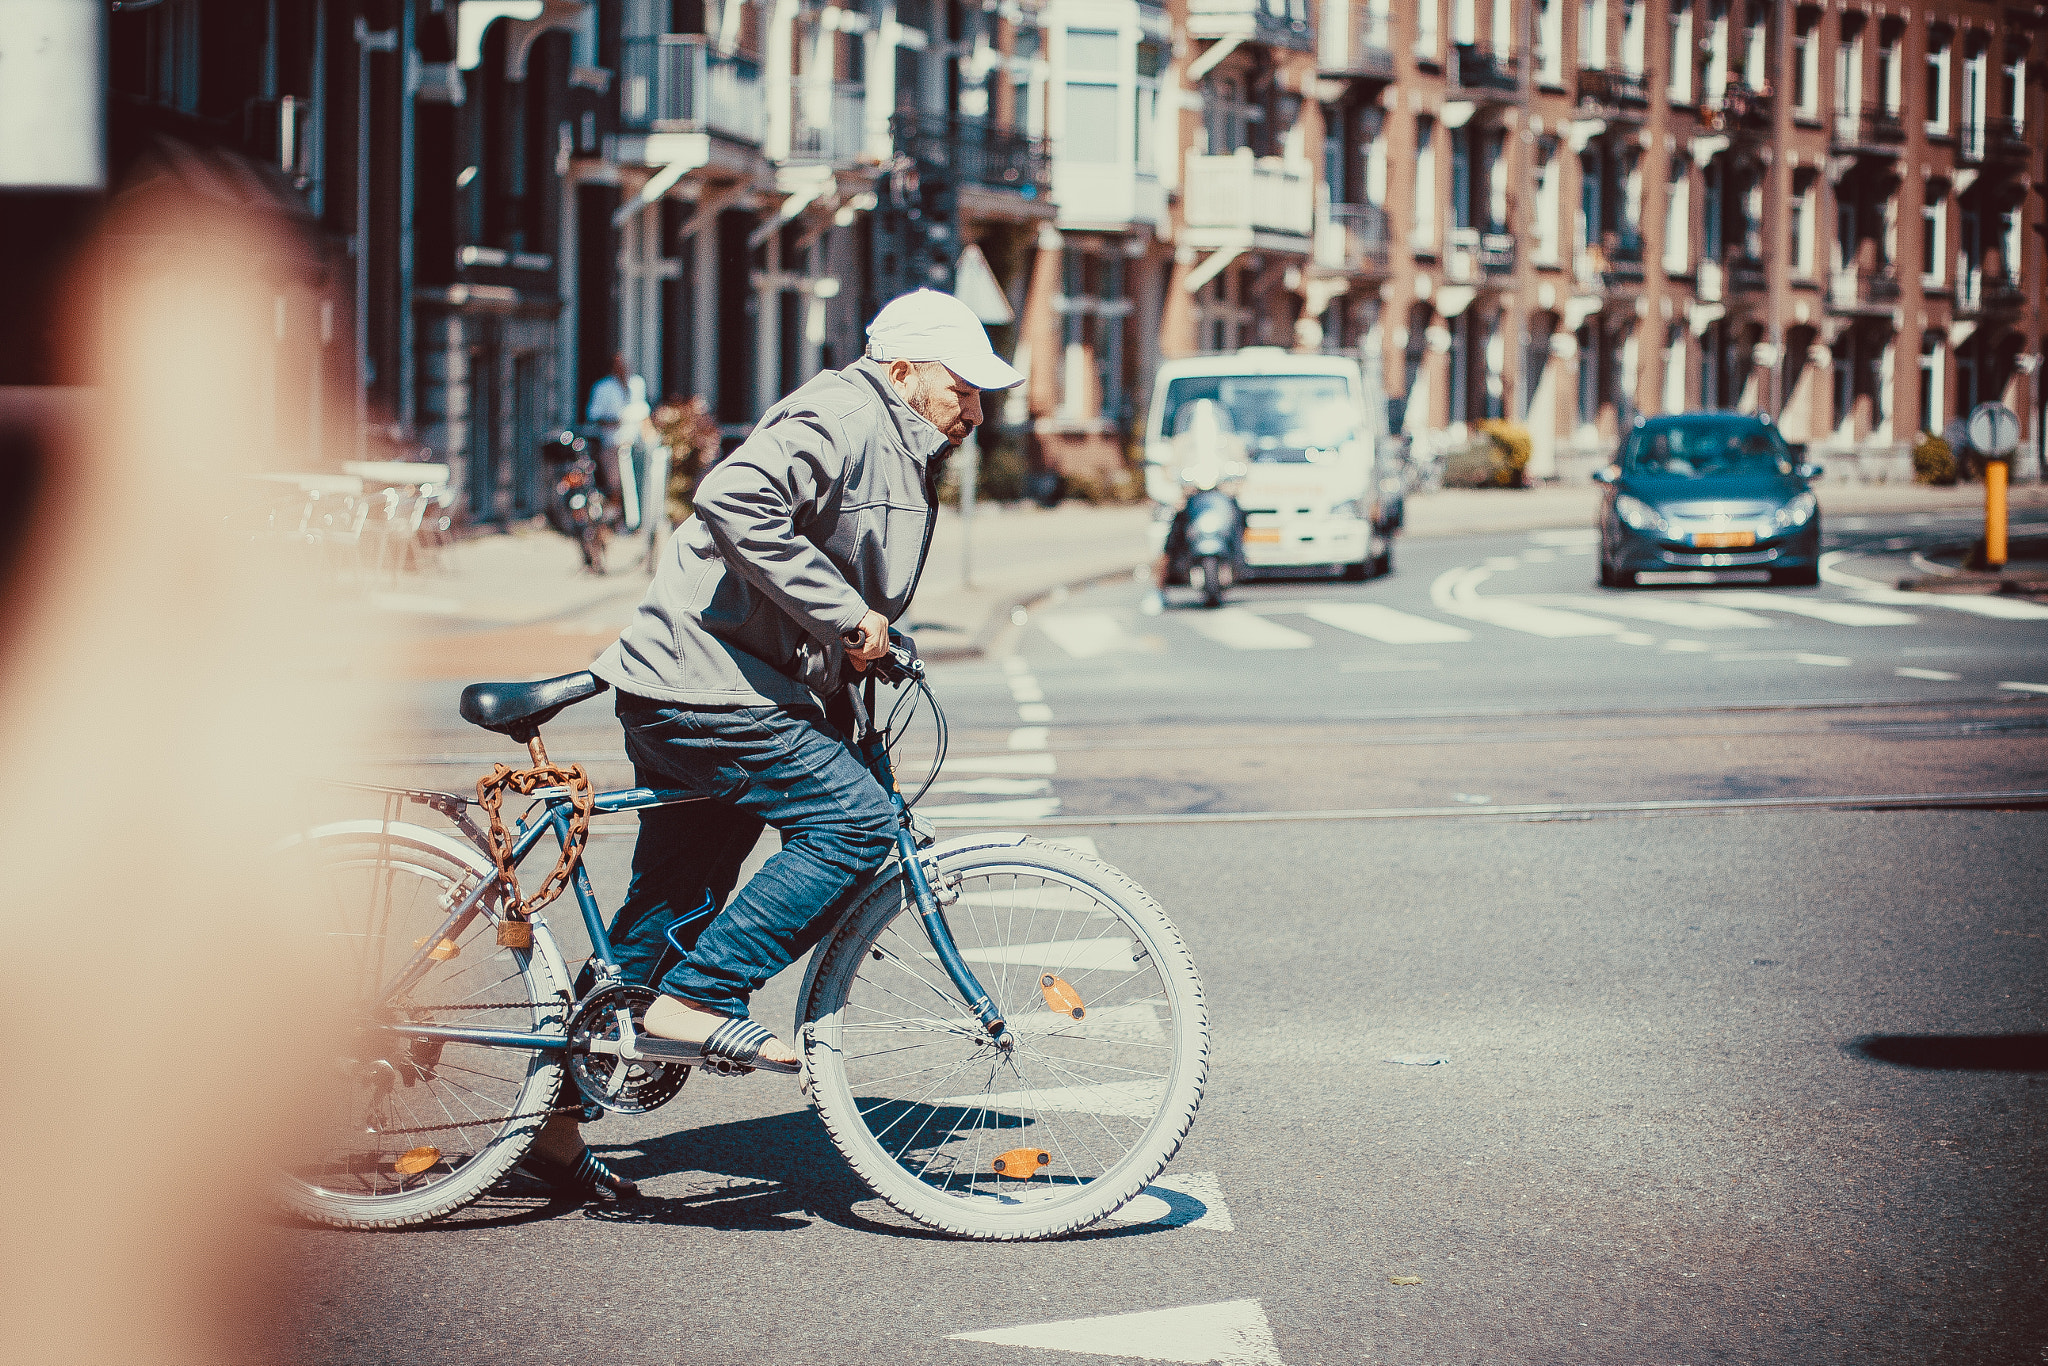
[808, 541]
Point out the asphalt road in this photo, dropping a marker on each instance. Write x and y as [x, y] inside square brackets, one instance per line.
[1761, 1081]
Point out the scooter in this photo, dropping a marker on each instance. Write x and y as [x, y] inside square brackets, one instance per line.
[577, 509]
[1205, 545]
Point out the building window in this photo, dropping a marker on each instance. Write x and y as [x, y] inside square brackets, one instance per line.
[1849, 76]
[1589, 374]
[1424, 236]
[1714, 205]
[172, 47]
[1093, 59]
[1464, 23]
[1938, 46]
[1755, 74]
[1845, 384]
[1888, 70]
[1369, 124]
[1678, 218]
[1845, 232]
[1674, 368]
[1461, 177]
[1550, 41]
[1970, 281]
[1593, 34]
[1680, 84]
[1717, 50]
[1632, 17]
[1806, 64]
[1974, 77]
[2015, 98]
[2011, 244]
[1425, 29]
[1802, 228]
[1546, 204]
[1933, 237]
[1496, 147]
[1933, 401]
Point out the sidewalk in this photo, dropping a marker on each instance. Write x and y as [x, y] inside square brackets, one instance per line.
[517, 604]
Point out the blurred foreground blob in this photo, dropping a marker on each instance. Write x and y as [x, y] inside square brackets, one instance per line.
[160, 735]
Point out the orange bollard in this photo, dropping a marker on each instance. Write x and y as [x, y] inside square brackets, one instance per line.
[1994, 516]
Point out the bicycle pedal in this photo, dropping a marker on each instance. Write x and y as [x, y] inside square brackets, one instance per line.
[667, 1050]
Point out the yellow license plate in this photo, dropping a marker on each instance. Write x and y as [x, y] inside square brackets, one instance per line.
[1263, 535]
[1721, 540]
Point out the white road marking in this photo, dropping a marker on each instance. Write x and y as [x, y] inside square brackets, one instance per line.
[1242, 630]
[1538, 556]
[1084, 635]
[1134, 1099]
[1388, 666]
[1029, 737]
[1689, 647]
[1827, 661]
[1061, 955]
[1183, 1200]
[1692, 616]
[1234, 1333]
[1385, 624]
[1035, 712]
[1001, 763]
[1840, 613]
[995, 787]
[1853, 523]
[1782, 656]
[1567, 536]
[1870, 590]
[2025, 687]
[1457, 591]
[1024, 688]
[1130, 1024]
[1634, 638]
[1931, 675]
[990, 813]
[1014, 665]
[1502, 562]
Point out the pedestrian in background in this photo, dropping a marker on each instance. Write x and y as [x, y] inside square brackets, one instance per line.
[618, 406]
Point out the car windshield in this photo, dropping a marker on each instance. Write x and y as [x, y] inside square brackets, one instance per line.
[1280, 417]
[1700, 451]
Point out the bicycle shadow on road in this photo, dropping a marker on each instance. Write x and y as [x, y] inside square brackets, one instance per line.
[774, 1173]
[1955, 1052]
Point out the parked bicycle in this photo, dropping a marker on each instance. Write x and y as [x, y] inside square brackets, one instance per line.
[1006, 1039]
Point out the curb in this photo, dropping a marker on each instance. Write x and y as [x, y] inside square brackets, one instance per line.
[997, 621]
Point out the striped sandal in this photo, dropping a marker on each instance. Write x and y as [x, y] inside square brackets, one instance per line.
[586, 1178]
[733, 1050]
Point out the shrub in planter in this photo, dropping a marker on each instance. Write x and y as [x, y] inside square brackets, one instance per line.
[1475, 465]
[1933, 462]
[1513, 445]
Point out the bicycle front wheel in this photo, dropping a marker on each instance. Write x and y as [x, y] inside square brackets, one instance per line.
[1111, 1042]
[411, 1128]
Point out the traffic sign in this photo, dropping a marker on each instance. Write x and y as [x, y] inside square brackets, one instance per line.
[1994, 430]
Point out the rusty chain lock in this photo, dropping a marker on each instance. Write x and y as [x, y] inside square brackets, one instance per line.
[514, 930]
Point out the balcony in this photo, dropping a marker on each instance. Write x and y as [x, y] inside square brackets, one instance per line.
[1496, 253]
[2004, 140]
[828, 124]
[1353, 238]
[675, 83]
[1744, 113]
[1978, 296]
[1863, 293]
[1362, 49]
[1876, 131]
[974, 150]
[1241, 195]
[1478, 68]
[1623, 91]
[1276, 23]
[1623, 264]
[1746, 275]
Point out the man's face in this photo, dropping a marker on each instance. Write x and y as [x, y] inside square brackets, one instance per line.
[943, 399]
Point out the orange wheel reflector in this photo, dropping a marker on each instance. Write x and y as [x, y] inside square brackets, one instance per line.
[1060, 997]
[416, 1161]
[1021, 1162]
[442, 951]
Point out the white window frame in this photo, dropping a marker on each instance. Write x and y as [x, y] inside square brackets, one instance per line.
[1464, 21]
[1934, 381]
[2015, 73]
[1593, 35]
[1934, 243]
[1547, 186]
[1806, 58]
[1678, 217]
[1423, 231]
[1942, 58]
[1807, 204]
[1679, 84]
[1550, 41]
[1976, 90]
[1426, 30]
[1675, 368]
[1890, 71]
[1757, 53]
[1634, 20]
[1717, 51]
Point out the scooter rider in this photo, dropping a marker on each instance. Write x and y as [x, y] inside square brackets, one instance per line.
[814, 530]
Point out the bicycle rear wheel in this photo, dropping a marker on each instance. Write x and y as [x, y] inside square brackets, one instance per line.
[412, 1128]
[1105, 1077]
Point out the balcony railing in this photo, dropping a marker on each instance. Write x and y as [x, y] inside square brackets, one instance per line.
[1352, 237]
[1497, 253]
[1746, 275]
[675, 83]
[1624, 263]
[1874, 129]
[1977, 293]
[1613, 89]
[1277, 23]
[1863, 291]
[1474, 67]
[2006, 140]
[828, 124]
[975, 150]
[1237, 192]
[1365, 50]
[1743, 111]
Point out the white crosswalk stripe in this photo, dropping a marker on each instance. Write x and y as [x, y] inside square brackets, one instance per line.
[1385, 624]
[1527, 617]
[1839, 613]
[1242, 630]
[1085, 635]
[1693, 616]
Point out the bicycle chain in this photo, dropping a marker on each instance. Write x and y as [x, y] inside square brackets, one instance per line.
[479, 1123]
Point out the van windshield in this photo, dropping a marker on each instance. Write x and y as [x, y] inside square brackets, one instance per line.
[1280, 417]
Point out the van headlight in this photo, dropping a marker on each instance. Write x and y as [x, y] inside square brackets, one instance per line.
[1640, 514]
[1798, 512]
[1350, 507]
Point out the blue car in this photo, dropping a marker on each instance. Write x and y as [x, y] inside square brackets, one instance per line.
[1708, 498]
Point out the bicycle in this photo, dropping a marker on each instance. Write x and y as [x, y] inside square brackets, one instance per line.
[1029, 1101]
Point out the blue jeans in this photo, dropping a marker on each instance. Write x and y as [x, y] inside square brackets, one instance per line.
[759, 766]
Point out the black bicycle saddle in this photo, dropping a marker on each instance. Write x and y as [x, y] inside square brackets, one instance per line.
[521, 709]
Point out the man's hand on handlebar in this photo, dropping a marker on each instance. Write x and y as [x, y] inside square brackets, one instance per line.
[894, 662]
[868, 641]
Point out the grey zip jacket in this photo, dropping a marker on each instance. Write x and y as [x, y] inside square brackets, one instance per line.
[825, 512]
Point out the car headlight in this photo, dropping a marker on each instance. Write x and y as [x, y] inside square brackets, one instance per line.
[1350, 507]
[1798, 512]
[1213, 520]
[1639, 514]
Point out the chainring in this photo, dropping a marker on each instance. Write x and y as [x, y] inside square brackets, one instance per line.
[627, 1087]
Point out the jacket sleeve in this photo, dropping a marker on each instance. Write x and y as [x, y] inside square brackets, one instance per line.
[755, 503]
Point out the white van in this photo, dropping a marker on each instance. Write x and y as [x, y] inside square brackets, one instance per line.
[1314, 497]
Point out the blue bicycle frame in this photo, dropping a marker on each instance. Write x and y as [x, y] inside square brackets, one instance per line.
[872, 747]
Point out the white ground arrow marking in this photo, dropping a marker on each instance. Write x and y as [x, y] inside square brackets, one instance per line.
[1183, 1200]
[1085, 635]
[1132, 1099]
[1234, 1333]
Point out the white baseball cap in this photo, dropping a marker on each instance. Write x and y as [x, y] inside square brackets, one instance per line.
[926, 325]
